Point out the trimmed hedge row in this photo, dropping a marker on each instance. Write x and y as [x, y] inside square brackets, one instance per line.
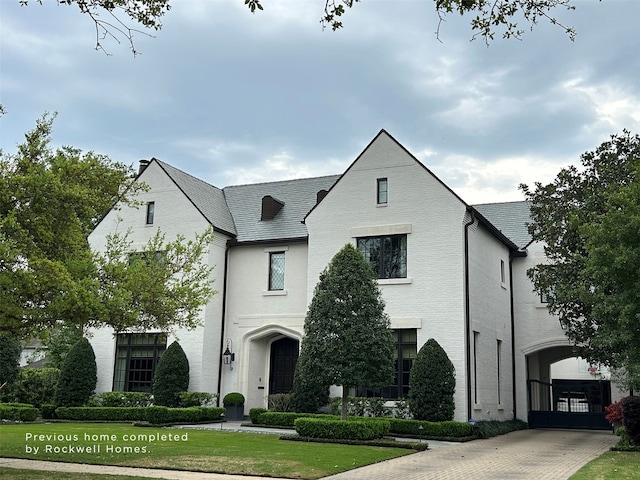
[128, 414]
[18, 412]
[493, 428]
[430, 429]
[361, 429]
[154, 415]
[161, 415]
[286, 419]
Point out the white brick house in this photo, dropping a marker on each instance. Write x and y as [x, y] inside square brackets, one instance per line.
[447, 270]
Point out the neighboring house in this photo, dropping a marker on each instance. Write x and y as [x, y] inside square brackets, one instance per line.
[447, 270]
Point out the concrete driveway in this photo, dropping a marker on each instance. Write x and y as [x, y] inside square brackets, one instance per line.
[525, 454]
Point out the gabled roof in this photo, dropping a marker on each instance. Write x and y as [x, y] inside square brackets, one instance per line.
[511, 218]
[382, 133]
[236, 210]
[298, 196]
[209, 200]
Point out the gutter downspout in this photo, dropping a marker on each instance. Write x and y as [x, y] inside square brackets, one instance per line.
[513, 340]
[223, 320]
[467, 308]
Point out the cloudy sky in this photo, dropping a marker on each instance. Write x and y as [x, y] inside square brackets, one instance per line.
[233, 97]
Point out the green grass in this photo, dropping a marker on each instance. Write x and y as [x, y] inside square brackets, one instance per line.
[611, 466]
[18, 474]
[196, 450]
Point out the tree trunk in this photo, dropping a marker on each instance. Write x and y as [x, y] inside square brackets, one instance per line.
[345, 400]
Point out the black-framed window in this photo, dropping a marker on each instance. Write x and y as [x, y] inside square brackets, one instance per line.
[382, 195]
[386, 254]
[151, 209]
[404, 355]
[545, 297]
[276, 270]
[137, 355]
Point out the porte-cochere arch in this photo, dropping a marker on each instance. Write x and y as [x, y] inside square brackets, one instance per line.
[562, 403]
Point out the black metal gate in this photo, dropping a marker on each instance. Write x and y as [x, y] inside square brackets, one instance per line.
[568, 404]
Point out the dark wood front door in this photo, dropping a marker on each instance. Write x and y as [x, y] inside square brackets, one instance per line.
[284, 355]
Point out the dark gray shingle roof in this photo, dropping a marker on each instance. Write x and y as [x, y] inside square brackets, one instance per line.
[237, 209]
[209, 200]
[510, 218]
[298, 196]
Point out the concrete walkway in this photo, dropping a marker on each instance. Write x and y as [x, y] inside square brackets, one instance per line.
[526, 454]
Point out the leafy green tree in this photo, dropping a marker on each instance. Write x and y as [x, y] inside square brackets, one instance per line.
[35, 386]
[111, 17]
[171, 376]
[309, 393]
[108, 17]
[347, 338]
[57, 343]
[488, 15]
[50, 279]
[588, 219]
[163, 286]
[9, 360]
[432, 383]
[78, 376]
[49, 202]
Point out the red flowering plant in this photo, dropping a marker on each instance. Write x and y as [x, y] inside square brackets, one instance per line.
[614, 413]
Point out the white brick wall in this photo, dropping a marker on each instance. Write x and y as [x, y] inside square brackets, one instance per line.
[174, 215]
[433, 295]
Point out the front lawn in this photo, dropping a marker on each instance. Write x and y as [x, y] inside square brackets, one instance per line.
[18, 474]
[611, 466]
[182, 449]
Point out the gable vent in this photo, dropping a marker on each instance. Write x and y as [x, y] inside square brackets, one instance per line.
[320, 195]
[270, 207]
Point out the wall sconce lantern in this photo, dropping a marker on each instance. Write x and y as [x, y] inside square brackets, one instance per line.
[228, 357]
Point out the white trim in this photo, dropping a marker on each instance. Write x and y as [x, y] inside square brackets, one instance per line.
[378, 230]
[274, 293]
[276, 249]
[406, 322]
[394, 281]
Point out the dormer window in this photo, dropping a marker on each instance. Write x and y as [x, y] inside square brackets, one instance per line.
[151, 208]
[270, 207]
[382, 192]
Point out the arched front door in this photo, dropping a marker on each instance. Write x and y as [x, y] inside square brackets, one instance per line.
[284, 356]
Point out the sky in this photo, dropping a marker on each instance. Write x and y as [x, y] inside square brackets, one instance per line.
[234, 97]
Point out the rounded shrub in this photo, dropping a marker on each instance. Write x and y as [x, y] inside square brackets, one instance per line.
[432, 383]
[78, 376]
[631, 418]
[171, 376]
[233, 398]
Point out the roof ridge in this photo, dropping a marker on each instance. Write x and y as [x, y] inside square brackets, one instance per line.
[165, 164]
[282, 181]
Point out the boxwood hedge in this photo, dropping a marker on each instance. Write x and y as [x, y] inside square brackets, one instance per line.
[18, 412]
[114, 414]
[286, 419]
[361, 429]
[163, 415]
[430, 429]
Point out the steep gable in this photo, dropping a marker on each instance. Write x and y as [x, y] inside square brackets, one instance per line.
[209, 200]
